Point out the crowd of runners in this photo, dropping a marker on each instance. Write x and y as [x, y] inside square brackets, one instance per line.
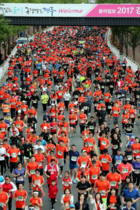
[71, 71]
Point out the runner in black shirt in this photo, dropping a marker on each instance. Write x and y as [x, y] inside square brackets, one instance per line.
[109, 106]
[92, 125]
[35, 99]
[129, 127]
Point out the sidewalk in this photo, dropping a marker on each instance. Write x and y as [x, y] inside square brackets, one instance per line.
[130, 53]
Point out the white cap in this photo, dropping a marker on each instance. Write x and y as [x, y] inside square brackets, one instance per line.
[82, 166]
[23, 101]
[53, 104]
[45, 127]
[19, 111]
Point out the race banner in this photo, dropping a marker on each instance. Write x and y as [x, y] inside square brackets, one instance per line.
[70, 10]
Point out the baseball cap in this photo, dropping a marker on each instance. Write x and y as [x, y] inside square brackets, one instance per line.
[94, 161]
[53, 104]
[129, 146]
[84, 151]
[45, 127]
[64, 118]
[8, 114]
[19, 111]
[72, 206]
[39, 149]
[82, 166]
[137, 156]
[26, 139]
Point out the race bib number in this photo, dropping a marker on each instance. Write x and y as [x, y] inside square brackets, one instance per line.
[91, 127]
[66, 183]
[137, 171]
[1, 204]
[136, 151]
[113, 184]
[73, 158]
[94, 177]
[103, 143]
[84, 163]
[115, 112]
[37, 208]
[32, 171]
[20, 178]
[20, 198]
[129, 157]
[125, 170]
[90, 144]
[37, 182]
[53, 114]
[14, 155]
[115, 147]
[102, 192]
[39, 163]
[104, 160]
[118, 162]
[60, 153]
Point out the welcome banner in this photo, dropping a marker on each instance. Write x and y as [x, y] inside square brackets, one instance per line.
[70, 10]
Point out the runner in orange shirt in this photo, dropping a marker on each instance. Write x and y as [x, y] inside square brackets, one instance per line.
[114, 178]
[20, 197]
[105, 160]
[19, 125]
[31, 167]
[36, 201]
[3, 198]
[60, 150]
[103, 187]
[115, 112]
[24, 108]
[90, 140]
[51, 156]
[82, 121]
[13, 153]
[61, 106]
[83, 160]
[37, 182]
[3, 127]
[40, 159]
[72, 118]
[94, 173]
[6, 106]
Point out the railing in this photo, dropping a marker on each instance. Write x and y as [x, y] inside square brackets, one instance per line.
[130, 62]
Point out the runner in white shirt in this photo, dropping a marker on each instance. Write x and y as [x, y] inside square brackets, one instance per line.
[38, 146]
[2, 158]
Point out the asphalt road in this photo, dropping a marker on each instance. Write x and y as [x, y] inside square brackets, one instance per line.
[76, 140]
